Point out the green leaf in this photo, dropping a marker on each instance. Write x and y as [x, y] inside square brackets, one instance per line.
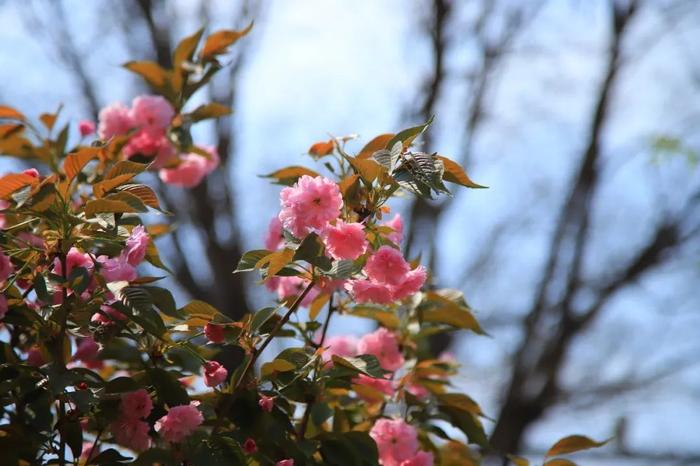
[407, 136]
[348, 449]
[573, 443]
[439, 309]
[363, 364]
[73, 435]
[168, 388]
[262, 316]
[200, 309]
[109, 456]
[250, 259]
[163, 300]
[122, 385]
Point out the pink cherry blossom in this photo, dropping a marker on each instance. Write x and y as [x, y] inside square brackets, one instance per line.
[249, 446]
[116, 269]
[3, 306]
[214, 332]
[87, 350]
[34, 357]
[214, 373]
[341, 345]
[396, 224]
[33, 172]
[287, 462]
[266, 403]
[149, 142]
[383, 345]
[86, 127]
[417, 390]
[191, 170]
[131, 433]
[151, 111]
[387, 265]
[274, 239]
[179, 423]
[367, 291]
[344, 240]
[114, 120]
[6, 267]
[396, 441]
[74, 258]
[136, 245]
[136, 405]
[422, 458]
[309, 205]
[108, 316]
[411, 284]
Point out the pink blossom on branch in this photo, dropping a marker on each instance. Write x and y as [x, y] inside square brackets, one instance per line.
[344, 240]
[287, 462]
[387, 265]
[114, 120]
[367, 291]
[191, 169]
[136, 245]
[86, 127]
[396, 223]
[214, 373]
[131, 433]
[136, 404]
[214, 332]
[6, 267]
[342, 345]
[309, 205]
[266, 403]
[179, 423]
[422, 458]
[396, 441]
[151, 111]
[274, 239]
[384, 346]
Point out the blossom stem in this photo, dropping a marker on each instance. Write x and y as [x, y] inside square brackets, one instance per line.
[256, 354]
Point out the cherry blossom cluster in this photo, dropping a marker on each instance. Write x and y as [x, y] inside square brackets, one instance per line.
[314, 205]
[146, 123]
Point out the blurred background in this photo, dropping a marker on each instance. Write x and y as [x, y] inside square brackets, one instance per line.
[582, 260]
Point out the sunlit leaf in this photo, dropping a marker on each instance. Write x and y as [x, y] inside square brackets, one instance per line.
[76, 161]
[275, 261]
[218, 42]
[210, 110]
[322, 148]
[573, 443]
[10, 113]
[518, 460]
[151, 72]
[378, 143]
[454, 173]
[408, 135]
[289, 175]
[13, 182]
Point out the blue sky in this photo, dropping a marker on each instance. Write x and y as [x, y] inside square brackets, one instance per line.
[322, 67]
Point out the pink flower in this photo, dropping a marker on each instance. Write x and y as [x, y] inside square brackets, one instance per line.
[396, 224]
[422, 458]
[344, 240]
[6, 267]
[214, 373]
[266, 403]
[274, 239]
[3, 306]
[396, 441]
[31, 239]
[34, 357]
[116, 269]
[309, 205]
[288, 287]
[87, 350]
[114, 120]
[131, 433]
[136, 245]
[149, 142]
[383, 345]
[74, 258]
[86, 127]
[342, 345]
[249, 446]
[367, 291]
[384, 386]
[136, 405]
[387, 265]
[151, 111]
[191, 170]
[179, 423]
[287, 462]
[108, 316]
[214, 332]
[33, 172]
[411, 284]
